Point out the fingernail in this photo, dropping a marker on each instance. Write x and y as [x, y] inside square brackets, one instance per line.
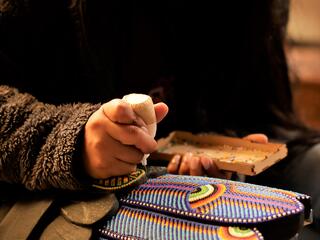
[206, 163]
[176, 160]
[185, 158]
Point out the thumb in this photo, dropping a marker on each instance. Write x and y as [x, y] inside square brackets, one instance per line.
[161, 110]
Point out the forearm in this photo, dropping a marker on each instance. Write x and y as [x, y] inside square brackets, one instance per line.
[38, 142]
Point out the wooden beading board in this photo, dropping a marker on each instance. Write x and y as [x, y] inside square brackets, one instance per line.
[230, 153]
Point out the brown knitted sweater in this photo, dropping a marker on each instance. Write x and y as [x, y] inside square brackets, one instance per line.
[38, 142]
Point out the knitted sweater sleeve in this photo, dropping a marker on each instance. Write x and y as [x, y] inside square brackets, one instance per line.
[39, 142]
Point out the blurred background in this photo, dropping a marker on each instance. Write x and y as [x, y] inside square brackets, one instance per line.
[303, 54]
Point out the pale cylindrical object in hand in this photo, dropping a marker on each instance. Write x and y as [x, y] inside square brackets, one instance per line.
[142, 105]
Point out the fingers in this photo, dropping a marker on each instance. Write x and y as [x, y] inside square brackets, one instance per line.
[127, 134]
[119, 111]
[116, 139]
[195, 167]
[190, 164]
[101, 162]
[132, 135]
[128, 154]
[104, 168]
[173, 166]
[257, 137]
[184, 168]
[212, 169]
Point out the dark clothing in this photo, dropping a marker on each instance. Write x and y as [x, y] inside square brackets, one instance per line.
[92, 51]
[219, 68]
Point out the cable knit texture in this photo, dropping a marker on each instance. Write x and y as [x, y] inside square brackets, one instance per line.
[39, 141]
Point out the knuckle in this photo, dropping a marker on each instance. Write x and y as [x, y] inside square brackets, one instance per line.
[93, 125]
[122, 110]
[96, 143]
[133, 130]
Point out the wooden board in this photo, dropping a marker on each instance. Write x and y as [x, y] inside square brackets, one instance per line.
[229, 153]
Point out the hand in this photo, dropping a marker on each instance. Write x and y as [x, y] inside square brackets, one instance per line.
[115, 139]
[202, 165]
[257, 138]
[188, 164]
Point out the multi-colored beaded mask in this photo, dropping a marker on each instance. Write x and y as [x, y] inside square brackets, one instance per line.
[186, 207]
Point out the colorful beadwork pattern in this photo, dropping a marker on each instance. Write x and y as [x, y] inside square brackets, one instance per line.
[214, 200]
[205, 194]
[133, 223]
[118, 183]
[234, 233]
